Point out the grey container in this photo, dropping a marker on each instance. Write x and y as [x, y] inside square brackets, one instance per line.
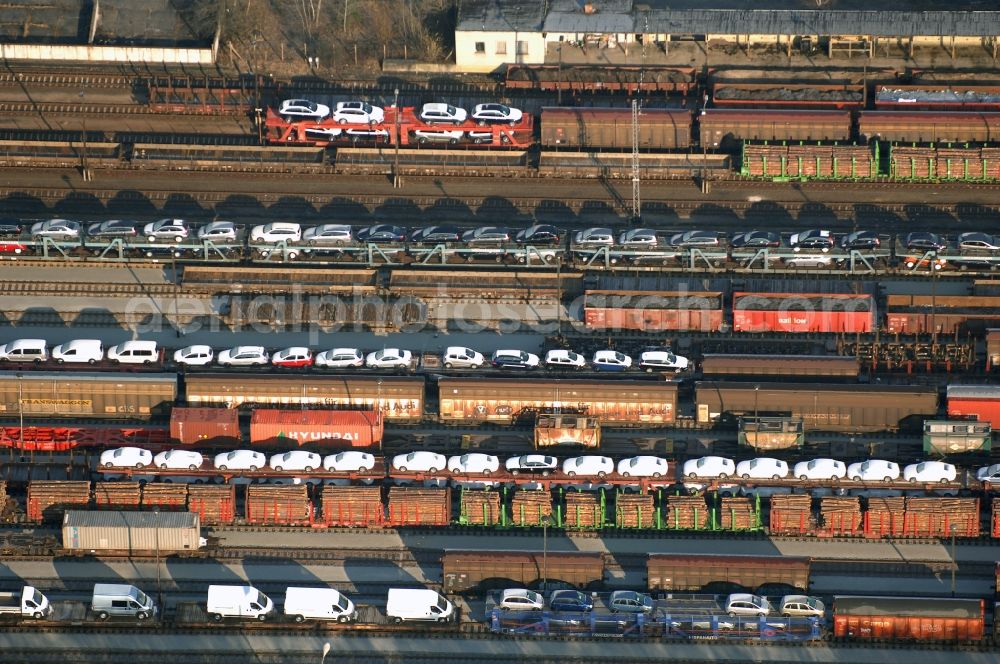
[119, 396]
[131, 532]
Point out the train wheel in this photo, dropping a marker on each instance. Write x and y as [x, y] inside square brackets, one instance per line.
[300, 619]
[253, 469]
[397, 620]
[308, 469]
[432, 470]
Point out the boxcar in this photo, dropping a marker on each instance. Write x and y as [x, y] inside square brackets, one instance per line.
[826, 366]
[803, 312]
[929, 127]
[622, 402]
[470, 570]
[680, 572]
[652, 311]
[119, 396]
[909, 618]
[659, 129]
[726, 128]
[978, 402]
[401, 399]
[822, 407]
[205, 426]
[126, 533]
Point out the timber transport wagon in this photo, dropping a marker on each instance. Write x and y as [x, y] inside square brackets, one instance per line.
[693, 573]
[464, 571]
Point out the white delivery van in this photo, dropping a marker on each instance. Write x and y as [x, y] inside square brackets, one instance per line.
[26, 602]
[24, 350]
[303, 604]
[134, 352]
[238, 602]
[114, 599]
[90, 351]
[418, 604]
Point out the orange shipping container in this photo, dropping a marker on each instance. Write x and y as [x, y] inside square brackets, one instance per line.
[328, 428]
[200, 426]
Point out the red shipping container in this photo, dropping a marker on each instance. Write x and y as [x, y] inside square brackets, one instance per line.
[329, 428]
[978, 402]
[908, 618]
[205, 426]
[803, 312]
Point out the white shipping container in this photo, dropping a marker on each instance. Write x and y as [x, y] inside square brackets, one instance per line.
[167, 532]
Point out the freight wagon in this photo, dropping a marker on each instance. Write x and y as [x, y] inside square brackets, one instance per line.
[842, 408]
[941, 314]
[693, 573]
[207, 427]
[320, 428]
[131, 533]
[932, 97]
[803, 312]
[505, 400]
[114, 396]
[975, 402]
[929, 127]
[909, 619]
[788, 95]
[463, 571]
[722, 128]
[653, 311]
[813, 366]
[596, 78]
[659, 129]
[399, 399]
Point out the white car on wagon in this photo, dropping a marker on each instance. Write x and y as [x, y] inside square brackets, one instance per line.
[762, 468]
[296, 460]
[873, 470]
[430, 462]
[930, 471]
[820, 469]
[710, 466]
[588, 466]
[179, 460]
[643, 466]
[349, 461]
[126, 457]
[251, 460]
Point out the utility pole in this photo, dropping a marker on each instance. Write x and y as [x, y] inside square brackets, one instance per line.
[636, 197]
[397, 182]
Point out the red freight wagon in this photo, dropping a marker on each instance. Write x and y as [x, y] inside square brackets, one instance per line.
[205, 426]
[653, 311]
[908, 618]
[327, 428]
[803, 312]
[980, 402]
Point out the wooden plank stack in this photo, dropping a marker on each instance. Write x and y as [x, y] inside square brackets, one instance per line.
[117, 495]
[687, 513]
[808, 161]
[791, 514]
[47, 500]
[165, 497]
[7, 504]
[840, 516]
[359, 506]
[583, 510]
[945, 163]
[216, 505]
[635, 510]
[410, 506]
[935, 517]
[737, 514]
[885, 517]
[283, 505]
[480, 508]
[528, 507]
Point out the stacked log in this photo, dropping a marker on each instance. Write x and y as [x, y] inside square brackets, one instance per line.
[47, 500]
[528, 507]
[7, 504]
[117, 495]
[481, 508]
[635, 510]
[419, 507]
[215, 505]
[282, 505]
[808, 161]
[885, 517]
[945, 163]
[353, 506]
[687, 513]
[165, 497]
[840, 515]
[583, 510]
[791, 514]
[737, 514]
[937, 516]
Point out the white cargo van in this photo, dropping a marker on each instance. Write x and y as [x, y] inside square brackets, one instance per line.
[24, 350]
[90, 351]
[114, 599]
[134, 352]
[418, 604]
[319, 604]
[238, 602]
[26, 602]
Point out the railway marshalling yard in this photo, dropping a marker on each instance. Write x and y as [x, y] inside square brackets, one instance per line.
[856, 323]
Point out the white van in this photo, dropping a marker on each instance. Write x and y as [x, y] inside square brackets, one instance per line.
[319, 604]
[134, 352]
[77, 351]
[113, 599]
[238, 602]
[24, 350]
[418, 604]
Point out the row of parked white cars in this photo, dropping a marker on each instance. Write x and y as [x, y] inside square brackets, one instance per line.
[871, 470]
[361, 112]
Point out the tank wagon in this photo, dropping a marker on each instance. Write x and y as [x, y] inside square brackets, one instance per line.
[464, 571]
[842, 408]
[112, 396]
[692, 573]
[625, 402]
[909, 619]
